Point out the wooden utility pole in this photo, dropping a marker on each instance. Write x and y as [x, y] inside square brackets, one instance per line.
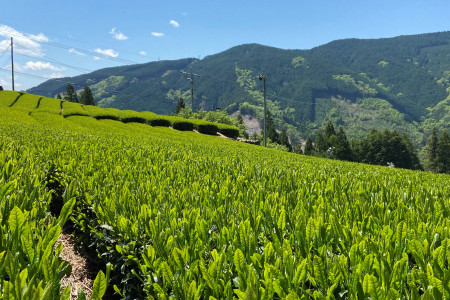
[12, 64]
[264, 78]
[190, 76]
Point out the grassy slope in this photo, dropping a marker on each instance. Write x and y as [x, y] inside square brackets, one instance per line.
[206, 196]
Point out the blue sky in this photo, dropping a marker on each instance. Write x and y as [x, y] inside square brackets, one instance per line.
[59, 38]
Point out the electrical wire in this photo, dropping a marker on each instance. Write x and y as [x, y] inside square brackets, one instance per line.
[79, 87]
[67, 47]
[49, 59]
[7, 62]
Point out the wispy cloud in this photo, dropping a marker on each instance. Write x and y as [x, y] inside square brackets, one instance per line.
[107, 52]
[54, 75]
[3, 82]
[174, 23]
[118, 35]
[72, 50]
[27, 44]
[143, 53]
[40, 37]
[39, 66]
[158, 34]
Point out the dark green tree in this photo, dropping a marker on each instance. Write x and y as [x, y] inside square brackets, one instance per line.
[444, 153]
[412, 151]
[356, 146]
[58, 96]
[382, 147]
[240, 118]
[329, 130]
[431, 150]
[297, 148]
[309, 147]
[86, 96]
[342, 147]
[71, 94]
[321, 143]
[283, 139]
[180, 105]
[271, 132]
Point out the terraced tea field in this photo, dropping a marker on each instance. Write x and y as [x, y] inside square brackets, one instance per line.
[182, 215]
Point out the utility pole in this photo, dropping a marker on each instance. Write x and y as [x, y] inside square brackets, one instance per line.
[12, 64]
[263, 77]
[190, 76]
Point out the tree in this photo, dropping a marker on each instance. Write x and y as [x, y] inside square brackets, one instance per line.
[297, 148]
[58, 96]
[329, 130]
[180, 105]
[86, 96]
[240, 118]
[381, 147]
[271, 133]
[444, 153]
[343, 150]
[414, 158]
[284, 140]
[309, 148]
[431, 149]
[71, 94]
[321, 142]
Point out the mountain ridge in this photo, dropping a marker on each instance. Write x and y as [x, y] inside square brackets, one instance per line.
[356, 83]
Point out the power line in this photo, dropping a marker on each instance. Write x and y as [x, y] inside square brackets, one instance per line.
[78, 86]
[67, 47]
[290, 100]
[191, 77]
[12, 64]
[49, 59]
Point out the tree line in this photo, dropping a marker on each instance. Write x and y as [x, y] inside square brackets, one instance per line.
[71, 95]
[386, 147]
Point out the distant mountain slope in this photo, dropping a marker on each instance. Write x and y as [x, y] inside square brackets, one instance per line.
[401, 83]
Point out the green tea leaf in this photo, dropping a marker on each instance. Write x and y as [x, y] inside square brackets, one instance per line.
[66, 211]
[99, 287]
[239, 261]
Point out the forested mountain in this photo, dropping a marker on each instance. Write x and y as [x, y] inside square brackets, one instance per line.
[400, 83]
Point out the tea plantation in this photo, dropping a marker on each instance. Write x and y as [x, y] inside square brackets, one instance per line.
[183, 215]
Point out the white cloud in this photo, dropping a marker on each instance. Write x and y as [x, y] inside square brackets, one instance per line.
[118, 35]
[3, 82]
[39, 66]
[174, 23]
[96, 58]
[107, 52]
[158, 34]
[143, 53]
[54, 75]
[72, 50]
[40, 37]
[27, 44]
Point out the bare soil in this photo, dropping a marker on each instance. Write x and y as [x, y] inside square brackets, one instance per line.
[81, 277]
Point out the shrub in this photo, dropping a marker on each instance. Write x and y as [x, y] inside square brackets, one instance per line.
[73, 109]
[101, 113]
[128, 116]
[182, 124]
[228, 130]
[206, 127]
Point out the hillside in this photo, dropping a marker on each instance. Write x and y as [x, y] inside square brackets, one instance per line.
[399, 83]
[183, 215]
